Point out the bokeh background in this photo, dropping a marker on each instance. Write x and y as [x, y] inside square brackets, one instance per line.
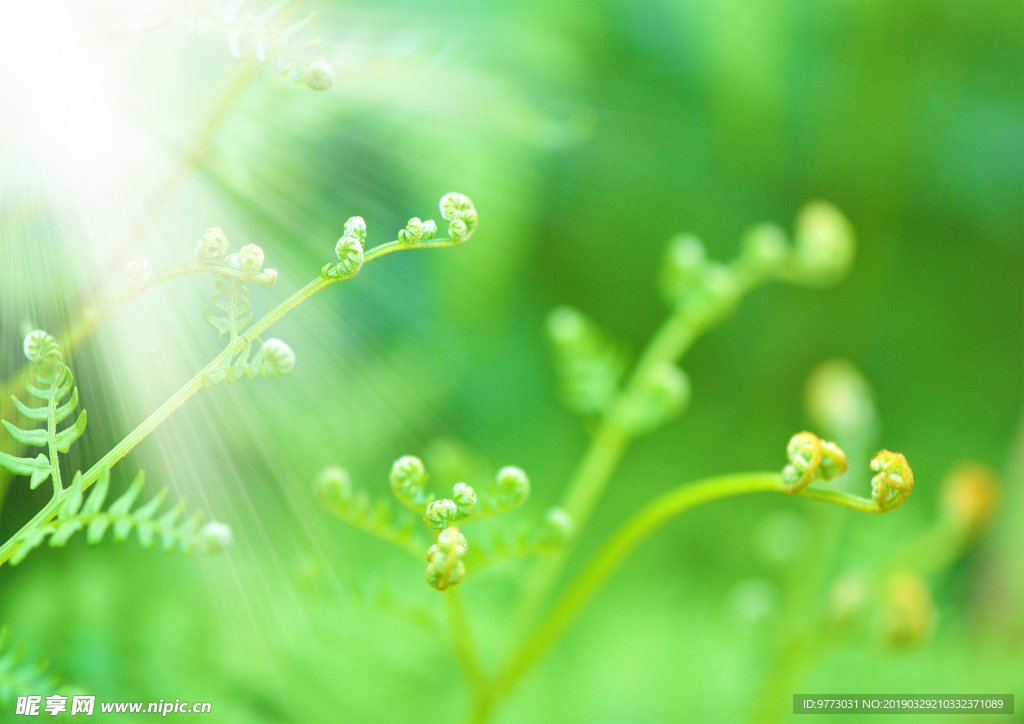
[587, 134]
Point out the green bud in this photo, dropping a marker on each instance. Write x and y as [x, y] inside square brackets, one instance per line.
[833, 461]
[214, 537]
[457, 230]
[894, 481]
[412, 231]
[41, 347]
[356, 227]
[250, 258]
[721, 291]
[350, 254]
[444, 565]
[333, 488]
[512, 487]
[556, 528]
[589, 367]
[683, 268]
[664, 393]
[838, 400]
[458, 208]
[824, 244]
[429, 229]
[137, 269]
[907, 610]
[804, 454]
[408, 477]
[213, 247]
[764, 248]
[321, 76]
[440, 514]
[278, 356]
[465, 500]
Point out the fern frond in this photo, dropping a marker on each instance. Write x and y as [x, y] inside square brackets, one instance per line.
[49, 370]
[336, 494]
[273, 358]
[172, 532]
[318, 582]
[232, 300]
[18, 676]
[588, 365]
[549, 536]
[268, 38]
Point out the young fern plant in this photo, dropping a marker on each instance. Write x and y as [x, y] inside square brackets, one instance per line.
[592, 370]
[245, 355]
[445, 548]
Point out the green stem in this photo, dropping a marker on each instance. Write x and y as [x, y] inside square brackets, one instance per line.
[605, 451]
[672, 340]
[51, 434]
[463, 641]
[195, 384]
[628, 536]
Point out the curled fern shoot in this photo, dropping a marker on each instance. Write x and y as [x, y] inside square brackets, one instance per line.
[811, 458]
[52, 382]
[444, 559]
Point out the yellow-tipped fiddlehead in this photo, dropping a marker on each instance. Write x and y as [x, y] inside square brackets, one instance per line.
[894, 481]
[811, 458]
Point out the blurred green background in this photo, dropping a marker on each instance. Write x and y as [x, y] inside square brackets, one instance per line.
[587, 134]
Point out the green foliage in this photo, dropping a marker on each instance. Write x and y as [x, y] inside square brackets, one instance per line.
[66, 514]
[53, 383]
[171, 528]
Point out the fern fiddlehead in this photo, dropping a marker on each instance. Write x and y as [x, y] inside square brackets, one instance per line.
[248, 358]
[56, 382]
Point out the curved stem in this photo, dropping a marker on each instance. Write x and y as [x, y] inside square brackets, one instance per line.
[195, 384]
[94, 316]
[628, 536]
